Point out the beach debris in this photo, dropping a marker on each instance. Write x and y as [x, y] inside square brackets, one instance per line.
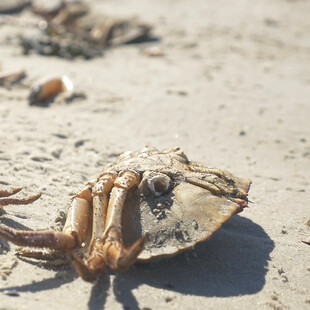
[23, 22]
[154, 51]
[46, 90]
[12, 293]
[145, 205]
[67, 46]
[59, 11]
[8, 78]
[13, 6]
[87, 40]
[113, 32]
[68, 29]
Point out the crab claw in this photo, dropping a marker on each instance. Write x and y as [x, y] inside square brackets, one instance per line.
[118, 256]
[89, 269]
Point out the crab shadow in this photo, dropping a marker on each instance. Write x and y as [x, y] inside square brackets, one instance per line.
[234, 262]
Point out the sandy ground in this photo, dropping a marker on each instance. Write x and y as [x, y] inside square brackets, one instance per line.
[233, 91]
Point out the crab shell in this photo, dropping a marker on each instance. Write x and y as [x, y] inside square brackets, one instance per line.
[175, 212]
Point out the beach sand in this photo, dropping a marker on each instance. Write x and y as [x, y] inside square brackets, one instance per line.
[232, 90]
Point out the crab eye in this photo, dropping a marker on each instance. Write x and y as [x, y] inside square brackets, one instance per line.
[158, 183]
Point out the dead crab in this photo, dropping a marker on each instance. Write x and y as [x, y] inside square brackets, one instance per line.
[159, 203]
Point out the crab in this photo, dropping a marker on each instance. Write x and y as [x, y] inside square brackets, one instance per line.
[144, 206]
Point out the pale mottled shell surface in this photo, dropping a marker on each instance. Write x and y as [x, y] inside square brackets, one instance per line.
[186, 213]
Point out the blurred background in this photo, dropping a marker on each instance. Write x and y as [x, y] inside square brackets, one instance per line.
[228, 82]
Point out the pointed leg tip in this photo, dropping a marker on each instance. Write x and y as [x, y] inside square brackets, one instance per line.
[15, 190]
[145, 237]
[31, 199]
[138, 246]
[9, 192]
[122, 259]
[83, 269]
[37, 196]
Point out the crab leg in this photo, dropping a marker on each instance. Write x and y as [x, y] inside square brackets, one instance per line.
[100, 204]
[89, 268]
[118, 256]
[225, 183]
[204, 184]
[196, 167]
[74, 233]
[106, 244]
[4, 201]
[15, 201]
[9, 192]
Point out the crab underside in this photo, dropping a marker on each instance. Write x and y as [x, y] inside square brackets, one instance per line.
[146, 205]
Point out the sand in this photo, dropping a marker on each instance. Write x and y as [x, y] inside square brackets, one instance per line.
[232, 91]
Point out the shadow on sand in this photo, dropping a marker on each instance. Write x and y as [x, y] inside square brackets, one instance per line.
[232, 263]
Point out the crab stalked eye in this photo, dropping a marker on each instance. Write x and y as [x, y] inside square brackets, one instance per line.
[157, 183]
